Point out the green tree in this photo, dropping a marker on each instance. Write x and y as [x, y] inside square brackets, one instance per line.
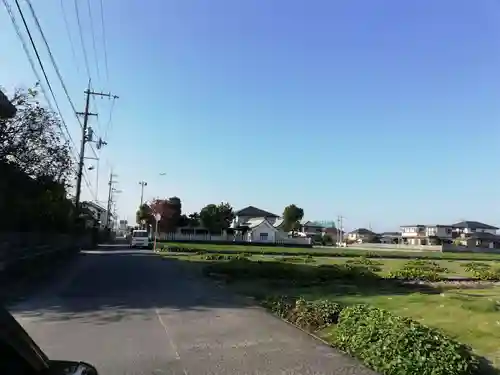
[291, 217]
[36, 167]
[144, 215]
[194, 219]
[217, 217]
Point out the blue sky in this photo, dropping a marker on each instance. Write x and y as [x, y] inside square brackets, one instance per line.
[386, 112]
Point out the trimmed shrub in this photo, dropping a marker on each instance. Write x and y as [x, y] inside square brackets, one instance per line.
[237, 269]
[309, 315]
[371, 264]
[394, 345]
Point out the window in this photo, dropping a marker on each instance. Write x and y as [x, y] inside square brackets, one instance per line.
[140, 234]
[263, 236]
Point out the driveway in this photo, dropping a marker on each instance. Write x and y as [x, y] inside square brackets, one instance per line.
[132, 312]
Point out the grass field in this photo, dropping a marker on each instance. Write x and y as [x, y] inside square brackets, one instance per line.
[470, 314]
[333, 252]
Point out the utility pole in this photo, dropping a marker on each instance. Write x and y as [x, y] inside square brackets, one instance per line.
[340, 221]
[142, 183]
[87, 136]
[110, 197]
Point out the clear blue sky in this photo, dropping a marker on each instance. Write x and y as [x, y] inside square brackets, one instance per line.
[387, 112]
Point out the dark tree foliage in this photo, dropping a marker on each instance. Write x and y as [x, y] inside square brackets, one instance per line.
[35, 165]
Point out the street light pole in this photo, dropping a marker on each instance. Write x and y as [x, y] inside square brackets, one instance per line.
[142, 183]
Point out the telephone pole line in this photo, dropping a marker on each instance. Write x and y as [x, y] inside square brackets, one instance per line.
[340, 221]
[87, 136]
[110, 197]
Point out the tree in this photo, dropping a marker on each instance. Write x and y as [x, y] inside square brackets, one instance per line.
[32, 140]
[144, 215]
[291, 217]
[170, 210]
[36, 166]
[194, 219]
[217, 217]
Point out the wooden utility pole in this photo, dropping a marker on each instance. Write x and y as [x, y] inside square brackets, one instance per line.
[86, 137]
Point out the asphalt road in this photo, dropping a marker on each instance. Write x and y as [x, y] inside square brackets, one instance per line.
[132, 312]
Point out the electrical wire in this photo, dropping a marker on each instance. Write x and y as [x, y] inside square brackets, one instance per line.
[85, 57]
[62, 124]
[68, 33]
[93, 39]
[52, 59]
[104, 41]
[37, 75]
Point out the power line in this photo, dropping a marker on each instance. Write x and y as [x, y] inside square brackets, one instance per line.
[37, 75]
[66, 25]
[56, 68]
[81, 38]
[104, 41]
[93, 39]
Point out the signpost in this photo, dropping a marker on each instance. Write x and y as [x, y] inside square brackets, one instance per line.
[157, 218]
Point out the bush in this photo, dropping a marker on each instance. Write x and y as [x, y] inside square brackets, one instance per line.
[399, 346]
[292, 273]
[371, 264]
[309, 315]
[425, 265]
[415, 274]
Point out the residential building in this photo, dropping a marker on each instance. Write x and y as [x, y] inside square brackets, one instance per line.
[469, 231]
[311, 228]
[476, 234]
[390, 237]
[361, 235]
[251, 212]
[254, 224]
[99, 213]
[420, 234]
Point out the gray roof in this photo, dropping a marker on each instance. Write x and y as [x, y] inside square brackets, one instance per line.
[363, 231]
[473, 225]
[252, 211]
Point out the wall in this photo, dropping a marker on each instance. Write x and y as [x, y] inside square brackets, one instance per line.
[383, 246]
[177, 237]
[263, 228]
[450, 248]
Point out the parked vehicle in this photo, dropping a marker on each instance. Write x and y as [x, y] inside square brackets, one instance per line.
[140, 238]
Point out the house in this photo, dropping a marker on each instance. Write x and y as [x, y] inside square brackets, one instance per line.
[335, 233]
[98, 212]
[390, 237]
[420, 234]
[254, 224]
[311, 228]
[472, 232]
[361, 235]
[476, 234]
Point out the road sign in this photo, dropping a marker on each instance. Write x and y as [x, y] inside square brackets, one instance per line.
[157, 217]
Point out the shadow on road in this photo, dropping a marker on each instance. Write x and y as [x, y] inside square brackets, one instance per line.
[103, 287]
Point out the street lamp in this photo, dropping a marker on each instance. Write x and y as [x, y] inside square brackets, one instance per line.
[142, 183]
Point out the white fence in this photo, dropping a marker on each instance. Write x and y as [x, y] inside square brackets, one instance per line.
[229, 239]
[387, 246]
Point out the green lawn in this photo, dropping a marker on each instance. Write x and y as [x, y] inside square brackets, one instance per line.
[333, 252]
[469, 314]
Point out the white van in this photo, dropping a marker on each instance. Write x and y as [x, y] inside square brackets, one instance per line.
[140, 238]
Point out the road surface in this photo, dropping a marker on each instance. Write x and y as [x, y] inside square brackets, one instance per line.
[132, 312]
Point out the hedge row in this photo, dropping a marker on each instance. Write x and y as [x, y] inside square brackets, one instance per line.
[384, 342]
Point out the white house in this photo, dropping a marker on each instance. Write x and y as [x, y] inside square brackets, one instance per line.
[257, 225]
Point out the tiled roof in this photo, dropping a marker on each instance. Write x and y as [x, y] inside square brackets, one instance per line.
[473, 225]
[252, 211]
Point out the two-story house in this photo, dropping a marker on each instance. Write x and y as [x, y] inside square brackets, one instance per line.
[255, 224]
[420, 234]
[476, 234]
[361, 235]
[99, 213]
